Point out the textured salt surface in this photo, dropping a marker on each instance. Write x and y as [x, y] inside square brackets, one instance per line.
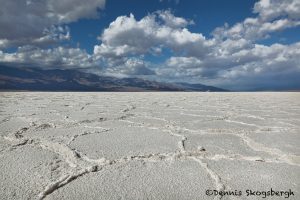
[147, 145]
[257, 176]
[140, 180]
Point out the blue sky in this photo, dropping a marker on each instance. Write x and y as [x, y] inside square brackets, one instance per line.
[239, 45]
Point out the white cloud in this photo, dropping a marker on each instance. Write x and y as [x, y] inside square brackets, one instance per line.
[127, 36]
[130, 67]
[65, 58]
[183, 62]
[271, 9]
[68, 11]
[73, 58]
[172, 21]
[258, 67]
[51, 35]
[254, 29]
[181, 68]
[273, 15]
[37, 22]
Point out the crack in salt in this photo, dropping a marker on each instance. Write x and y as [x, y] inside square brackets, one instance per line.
[282, 157]
[213, 175]
[64, 180]
[73, 138]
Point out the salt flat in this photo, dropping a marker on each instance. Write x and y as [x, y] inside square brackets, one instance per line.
[148, 145]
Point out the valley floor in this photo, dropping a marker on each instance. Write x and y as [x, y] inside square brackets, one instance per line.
[161, 145]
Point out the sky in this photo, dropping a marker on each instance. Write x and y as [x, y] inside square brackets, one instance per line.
[233, 44]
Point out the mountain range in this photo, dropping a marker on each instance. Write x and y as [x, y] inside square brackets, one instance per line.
[35, 79]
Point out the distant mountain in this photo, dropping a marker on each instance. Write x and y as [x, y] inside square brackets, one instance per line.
[197, 87]
[33, 79]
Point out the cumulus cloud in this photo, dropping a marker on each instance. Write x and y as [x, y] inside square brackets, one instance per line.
[271, 9]
[130, 67]
[254, 29]
[183, 62]
[263, 66]
[127, 36]
[37, 22]
[273, 15]
[172, 21]
[73, 58]
[181, 68]
[65, 58]
[51, 35]
[259, 67]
